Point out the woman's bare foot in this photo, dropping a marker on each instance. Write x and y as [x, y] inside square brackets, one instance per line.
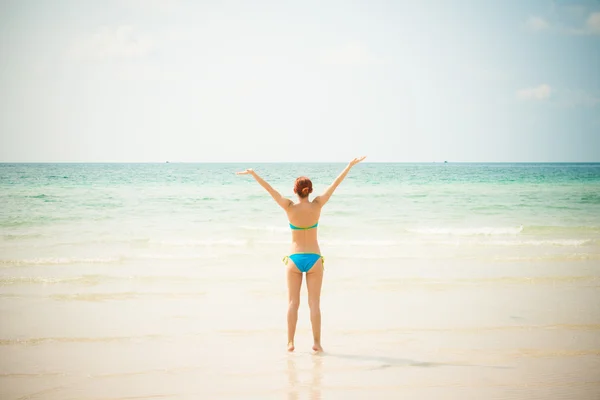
[291, 346]
[317, 348]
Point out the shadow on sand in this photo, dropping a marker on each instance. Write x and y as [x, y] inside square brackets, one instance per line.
[390, 362]
[297, 387]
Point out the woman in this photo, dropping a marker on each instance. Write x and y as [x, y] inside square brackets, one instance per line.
[305, 255]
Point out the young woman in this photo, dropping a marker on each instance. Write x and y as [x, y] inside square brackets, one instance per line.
[305, 254]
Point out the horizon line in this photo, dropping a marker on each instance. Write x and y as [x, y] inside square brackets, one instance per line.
[298, 162]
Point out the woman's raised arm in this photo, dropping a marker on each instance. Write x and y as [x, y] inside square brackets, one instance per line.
[282, 201]
[324, 198]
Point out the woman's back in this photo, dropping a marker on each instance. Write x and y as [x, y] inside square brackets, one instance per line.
[303, 218]
[304, 213]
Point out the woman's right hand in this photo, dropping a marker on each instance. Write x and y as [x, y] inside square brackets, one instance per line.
[356, 161]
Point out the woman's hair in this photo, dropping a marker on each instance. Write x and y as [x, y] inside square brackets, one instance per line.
[303, 186]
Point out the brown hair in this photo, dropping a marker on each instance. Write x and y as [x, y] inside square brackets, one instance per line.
[303, 186]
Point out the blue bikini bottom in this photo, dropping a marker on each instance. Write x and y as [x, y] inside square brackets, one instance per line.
[303, 261]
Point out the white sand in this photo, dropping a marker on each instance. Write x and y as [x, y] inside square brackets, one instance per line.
[426, 331]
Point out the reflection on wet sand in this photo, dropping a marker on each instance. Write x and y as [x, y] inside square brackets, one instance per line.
[317, 373]
[292, 378]
[295, 384]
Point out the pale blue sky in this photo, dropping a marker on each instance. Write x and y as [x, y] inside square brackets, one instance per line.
[203, 81]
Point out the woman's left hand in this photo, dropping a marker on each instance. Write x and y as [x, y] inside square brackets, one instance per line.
[249, 171]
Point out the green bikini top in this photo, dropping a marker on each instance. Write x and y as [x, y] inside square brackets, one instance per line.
[297, 228]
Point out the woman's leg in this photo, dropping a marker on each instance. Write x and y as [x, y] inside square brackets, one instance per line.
[314, 280]
[294, 282]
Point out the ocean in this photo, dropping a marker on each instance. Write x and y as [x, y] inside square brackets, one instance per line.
[166, 280]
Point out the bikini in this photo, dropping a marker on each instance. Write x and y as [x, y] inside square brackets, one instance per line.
[304, 261]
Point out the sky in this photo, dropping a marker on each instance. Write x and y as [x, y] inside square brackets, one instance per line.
[299, 81]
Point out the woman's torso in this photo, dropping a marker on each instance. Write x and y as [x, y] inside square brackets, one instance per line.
[302, 215]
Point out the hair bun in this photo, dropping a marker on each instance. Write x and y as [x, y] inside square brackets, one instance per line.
[303, 186]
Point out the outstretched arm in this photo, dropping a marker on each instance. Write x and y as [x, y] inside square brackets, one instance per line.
[282, 201]
[324, 198]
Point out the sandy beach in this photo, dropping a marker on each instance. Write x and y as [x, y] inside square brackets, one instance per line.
[463, 332]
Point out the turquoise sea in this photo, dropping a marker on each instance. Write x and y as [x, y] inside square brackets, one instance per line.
[487, 272]
[121, 213]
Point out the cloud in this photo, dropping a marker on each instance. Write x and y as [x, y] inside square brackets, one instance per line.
[579, 24]
[537, 24]
[122, 42]
[593, 23]
[591, 26]
[567, 98]
[540, 92]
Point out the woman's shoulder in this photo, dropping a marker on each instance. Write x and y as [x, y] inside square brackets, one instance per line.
[301, 208]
